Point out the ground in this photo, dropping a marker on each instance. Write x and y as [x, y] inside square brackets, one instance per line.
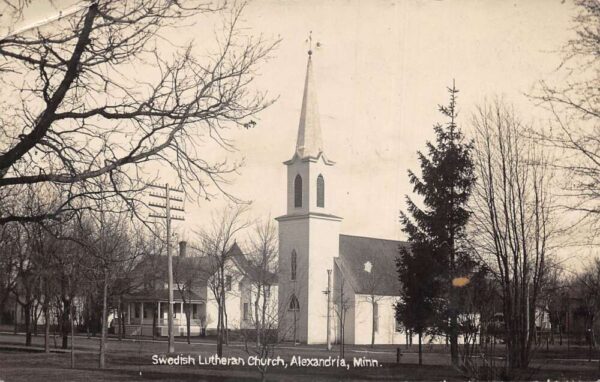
[131, 359]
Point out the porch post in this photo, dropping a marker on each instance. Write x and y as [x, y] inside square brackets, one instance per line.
[128, 313]
[158, 314]
[181, 314]
[142, 313]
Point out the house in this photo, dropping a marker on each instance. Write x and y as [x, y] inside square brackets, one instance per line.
[145, 310]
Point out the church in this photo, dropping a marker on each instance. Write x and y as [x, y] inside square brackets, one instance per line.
[330, 284]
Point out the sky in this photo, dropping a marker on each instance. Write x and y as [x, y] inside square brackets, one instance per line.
[381, 71]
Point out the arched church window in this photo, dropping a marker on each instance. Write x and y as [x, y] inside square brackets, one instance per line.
[298, 191]
[293, 265]
[294, 304]
[320, 191]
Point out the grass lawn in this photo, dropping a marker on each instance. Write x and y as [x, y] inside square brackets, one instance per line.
[132, 361]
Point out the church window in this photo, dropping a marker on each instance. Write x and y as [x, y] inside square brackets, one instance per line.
[298, 191]
[294, 304]
[293, 265]
[320, 191]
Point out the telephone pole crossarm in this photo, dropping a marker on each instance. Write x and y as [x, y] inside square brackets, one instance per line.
[167, 207]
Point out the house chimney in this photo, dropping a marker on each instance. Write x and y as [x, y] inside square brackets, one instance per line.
[182, 248]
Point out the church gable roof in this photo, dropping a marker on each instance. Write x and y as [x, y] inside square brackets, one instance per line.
[357, 254]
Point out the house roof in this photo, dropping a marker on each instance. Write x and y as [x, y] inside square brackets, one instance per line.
[357, 254]
[161, 295]
[249, 269]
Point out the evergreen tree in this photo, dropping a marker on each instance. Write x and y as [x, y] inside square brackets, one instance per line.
[435, 231]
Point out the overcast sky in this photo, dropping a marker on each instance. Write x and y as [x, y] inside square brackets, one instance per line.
[381, 72]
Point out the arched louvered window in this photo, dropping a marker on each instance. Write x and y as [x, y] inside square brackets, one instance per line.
[293, 265]
[298, 191]
[294, 304]
[320, 191]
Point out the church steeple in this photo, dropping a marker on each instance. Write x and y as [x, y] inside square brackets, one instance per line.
[309, 143]
[309, 231]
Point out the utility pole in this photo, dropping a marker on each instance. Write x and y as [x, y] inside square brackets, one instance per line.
[328, 293]
[167, 207]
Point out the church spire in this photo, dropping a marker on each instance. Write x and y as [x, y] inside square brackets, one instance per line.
[309, 143]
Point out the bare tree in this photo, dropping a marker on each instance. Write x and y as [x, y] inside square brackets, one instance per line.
[8, 262]
[572, 96]
[263, 256]
[588, 284]
[88, 102]
[113, 249]
[27, 278]
[216, 245]
[513, 226]
[372, 282]
[188, 274]
[342, 303]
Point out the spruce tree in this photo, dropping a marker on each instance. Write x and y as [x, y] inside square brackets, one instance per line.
[436, 230]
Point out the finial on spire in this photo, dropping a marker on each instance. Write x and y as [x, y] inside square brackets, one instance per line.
[309, 41]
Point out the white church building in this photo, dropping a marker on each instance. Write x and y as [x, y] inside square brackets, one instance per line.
[329, 283]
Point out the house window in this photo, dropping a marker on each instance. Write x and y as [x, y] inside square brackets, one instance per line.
[195, 311]
[176, 309]
[293, 265]
[267, 291]
[246, 313]
[375, 317]
[298, 191]
[294, 304]
[320, 191]
[228, 283]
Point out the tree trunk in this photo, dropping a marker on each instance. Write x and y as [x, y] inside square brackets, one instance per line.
[65, 323]
[27, 311]
[122, 321]
[257, 323]
[155, 314]
[188, 316]
[373, 321]
[104, 320]
[72, 315]
[420, 348]
[46, 328]
[220, 328]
